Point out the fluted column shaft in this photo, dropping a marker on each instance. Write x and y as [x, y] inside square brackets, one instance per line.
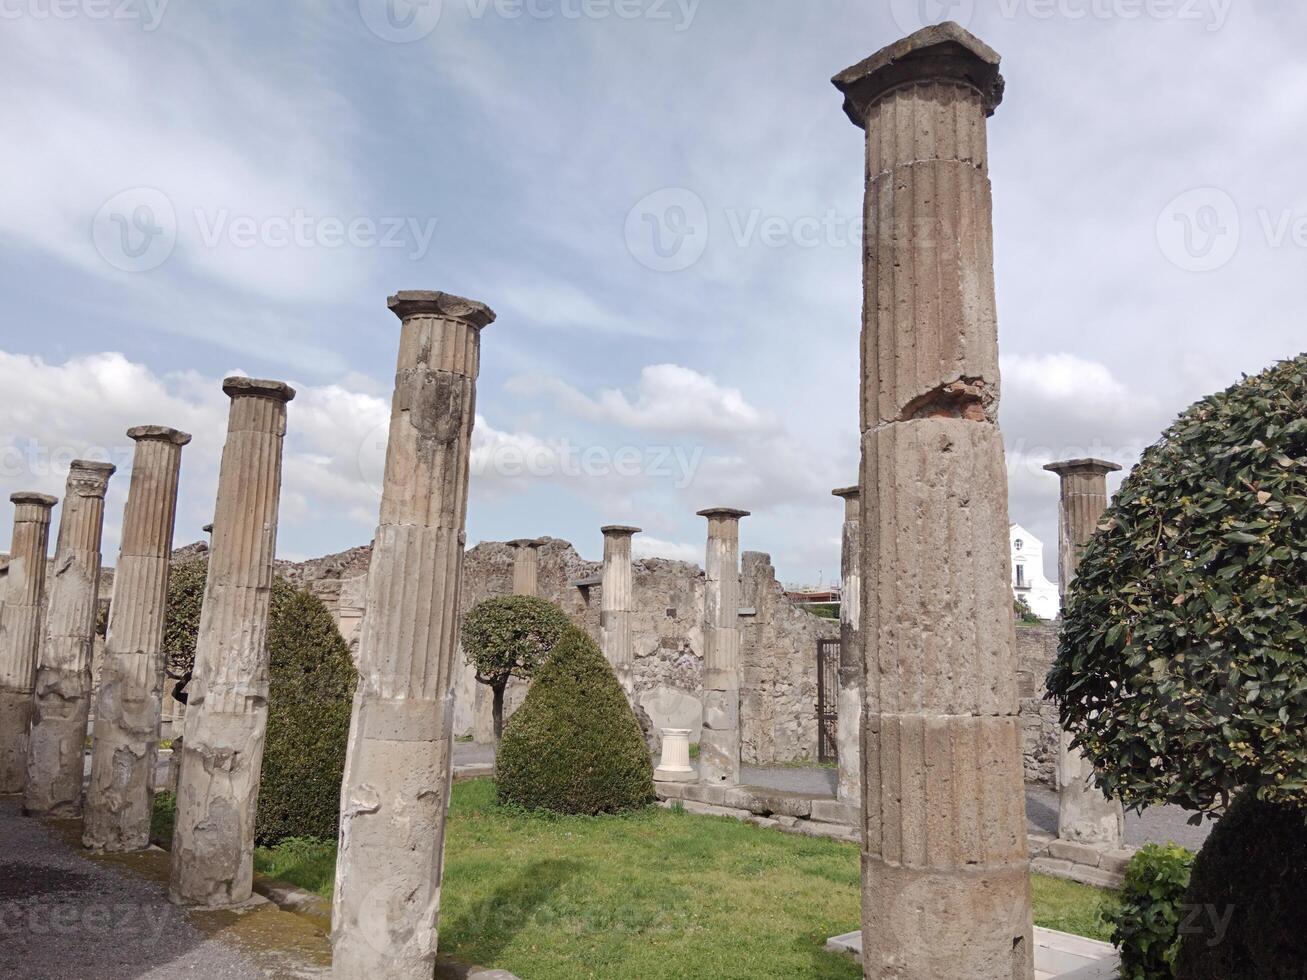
[129, 703]
[526, 567]
[615, 604]
[848, 734]
[719, 743]
[61, 699]
[1085, 815]
[227, 710]
[945, 867]
[20, 632]
[385, 914]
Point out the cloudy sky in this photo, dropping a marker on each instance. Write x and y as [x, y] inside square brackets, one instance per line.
[659, 198]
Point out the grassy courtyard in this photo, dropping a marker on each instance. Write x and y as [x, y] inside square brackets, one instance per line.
[657, 894]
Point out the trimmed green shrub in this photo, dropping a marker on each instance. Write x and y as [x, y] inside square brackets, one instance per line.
[1247, 898]
[574, 746]
[1182, 667]
[510, 636]
[1146, 926]
[310, 695]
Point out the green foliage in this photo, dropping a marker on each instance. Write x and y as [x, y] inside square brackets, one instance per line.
[1021, 609]
[1148, 921]
[1182, 669]
[163, 815]
[1247, 898]
[822, 610]
[310, 694]
[574, 746]
[510, 636]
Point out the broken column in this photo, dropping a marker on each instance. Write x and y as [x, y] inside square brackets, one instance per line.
[946, 891]
[615, 604]
[526, 565]
[129, 703]
[227, 706]
[20, 632]
[719, 743]
[1085, 815]
[61, 698]
[385, 914]
[848, 730]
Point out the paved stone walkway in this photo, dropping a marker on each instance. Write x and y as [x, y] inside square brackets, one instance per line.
[65, 914]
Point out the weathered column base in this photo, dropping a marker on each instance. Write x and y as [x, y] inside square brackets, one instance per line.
[15, 718]
[56, 756]
[848, 743]
[387, 902]
[117, 818]
[719, 742]
[1085, 815]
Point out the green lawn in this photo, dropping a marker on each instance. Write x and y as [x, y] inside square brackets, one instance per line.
[657, 894]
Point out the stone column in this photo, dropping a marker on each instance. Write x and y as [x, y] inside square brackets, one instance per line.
[129, 704]
[848, 733]
[227, 711]
[946, 892]
[385, 914]
[526, 566]
[20, 632]
[61, 699]
[719, 744]
[1085, 815]
[615, 604]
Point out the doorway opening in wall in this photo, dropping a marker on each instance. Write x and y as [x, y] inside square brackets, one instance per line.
[828, 694]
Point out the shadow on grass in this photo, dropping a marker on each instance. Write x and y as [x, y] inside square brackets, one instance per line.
[481, 933]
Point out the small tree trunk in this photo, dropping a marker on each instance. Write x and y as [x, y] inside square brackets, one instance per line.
[497, 711]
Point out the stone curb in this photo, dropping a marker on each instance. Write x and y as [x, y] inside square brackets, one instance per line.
[1103, 867]
[773, 809]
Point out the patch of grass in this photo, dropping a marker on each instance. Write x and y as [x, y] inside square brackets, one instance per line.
[822, 610]
[303, 861]
[1071, 907]
[694, 750]
[161, 820]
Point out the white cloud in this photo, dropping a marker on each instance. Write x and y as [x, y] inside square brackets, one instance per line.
[643, 546]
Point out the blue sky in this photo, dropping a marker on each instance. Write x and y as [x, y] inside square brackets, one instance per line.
[660, 201]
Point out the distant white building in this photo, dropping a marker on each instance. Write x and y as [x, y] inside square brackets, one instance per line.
[1028, 579]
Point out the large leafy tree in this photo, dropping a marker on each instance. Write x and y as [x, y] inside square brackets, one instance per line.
[1182, 668]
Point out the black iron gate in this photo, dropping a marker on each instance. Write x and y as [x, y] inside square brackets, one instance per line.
[828, 699]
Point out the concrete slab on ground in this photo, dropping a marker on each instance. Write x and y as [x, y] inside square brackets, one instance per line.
[1058, 955]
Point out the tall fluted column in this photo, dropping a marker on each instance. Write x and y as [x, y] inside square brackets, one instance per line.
[20, 632]
[526, 566]
[719, 744]
[227, 710]
[61, 699]
[615, 604]
[1085, 815]
[848, 733]
[129, 704]
[946, 892]
[385, 915]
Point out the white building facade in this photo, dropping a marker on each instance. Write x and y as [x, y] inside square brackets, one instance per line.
[1028, 579]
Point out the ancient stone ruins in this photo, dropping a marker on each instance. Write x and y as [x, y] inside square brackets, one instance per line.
[940, 718]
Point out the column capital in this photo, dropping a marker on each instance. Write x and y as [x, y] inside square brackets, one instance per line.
[241, 386]
[723, 513]
[847, 493]
[159, 433]
[427, 302]
[527, 543]
[1083, 467]
[90, 476]
[942, 53]
[619, 530]
[30, 498]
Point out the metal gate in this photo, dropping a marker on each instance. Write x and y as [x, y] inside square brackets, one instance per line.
[828, 695]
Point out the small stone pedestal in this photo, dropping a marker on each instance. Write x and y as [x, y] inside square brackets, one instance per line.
[674, 767]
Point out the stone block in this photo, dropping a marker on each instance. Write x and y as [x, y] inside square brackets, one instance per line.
[832, 811]
[1082, 854]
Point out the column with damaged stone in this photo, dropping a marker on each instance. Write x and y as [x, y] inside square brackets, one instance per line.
[61, 698]
[386, 909]
[1085, 815]
[20, 632]
[526, 566]
[615, 604]
[946, 892]
[719, 743]
[227, 709]
[129, 703]
[848, 731]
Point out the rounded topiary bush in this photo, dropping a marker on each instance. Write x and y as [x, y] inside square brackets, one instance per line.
[574, 745]
[1247, 899]
[310, 695]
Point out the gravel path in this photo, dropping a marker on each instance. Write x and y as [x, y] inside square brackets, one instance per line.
[65, 915]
